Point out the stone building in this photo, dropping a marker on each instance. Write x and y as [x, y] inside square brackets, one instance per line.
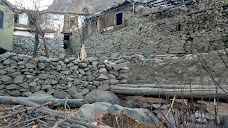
[112, 18]
[172, 29]
[115, 17]
[49, 21]
[21, 19]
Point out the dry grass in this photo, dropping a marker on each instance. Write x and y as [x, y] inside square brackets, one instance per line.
[121, 121]
[222, 108]
[73, 112]
[4, 108]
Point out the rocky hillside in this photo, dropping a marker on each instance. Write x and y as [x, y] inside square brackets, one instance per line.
[69, 5]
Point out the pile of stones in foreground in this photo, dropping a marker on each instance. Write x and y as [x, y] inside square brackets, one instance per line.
[150, 112]
[22, 75]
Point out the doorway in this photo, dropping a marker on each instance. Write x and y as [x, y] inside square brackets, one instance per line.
[66, 41]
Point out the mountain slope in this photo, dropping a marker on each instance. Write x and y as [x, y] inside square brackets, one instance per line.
[70, 5]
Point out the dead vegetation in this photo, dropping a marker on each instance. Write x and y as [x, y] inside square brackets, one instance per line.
[30, 114]
[184, 114]
[178, 112]
[121, 121]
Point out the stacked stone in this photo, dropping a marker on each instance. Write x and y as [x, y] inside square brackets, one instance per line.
[182, 32]
[194, 34]
[187, 69]
[25, 45]
[22, 75]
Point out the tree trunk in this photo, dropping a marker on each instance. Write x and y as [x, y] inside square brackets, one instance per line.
[45, 46]
[182, 91]
[36, 45]
[74, 103]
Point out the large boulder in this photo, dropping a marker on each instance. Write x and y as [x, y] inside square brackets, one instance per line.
[102, 96]
[90, 111]
[224, 121]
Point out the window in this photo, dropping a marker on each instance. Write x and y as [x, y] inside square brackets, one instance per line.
[16, 18]
[119, 18]
[178, 27]
[1, 19]
[66, 37]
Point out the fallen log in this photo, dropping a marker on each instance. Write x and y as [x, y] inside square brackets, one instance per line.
[181, 92]
[172, 86]
[74, 103]
[56, 114]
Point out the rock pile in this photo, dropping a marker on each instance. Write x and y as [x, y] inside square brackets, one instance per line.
[22, 75]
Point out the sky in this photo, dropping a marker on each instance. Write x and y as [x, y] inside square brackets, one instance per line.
[29, 3]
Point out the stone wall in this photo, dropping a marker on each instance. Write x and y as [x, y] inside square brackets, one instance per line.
[189, 69]
[181, 34]
[196, 32]
[25, 45]
[22, 75]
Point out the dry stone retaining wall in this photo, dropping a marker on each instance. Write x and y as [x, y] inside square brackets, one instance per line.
[25, 45]
[189, 69]
[22, 75]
